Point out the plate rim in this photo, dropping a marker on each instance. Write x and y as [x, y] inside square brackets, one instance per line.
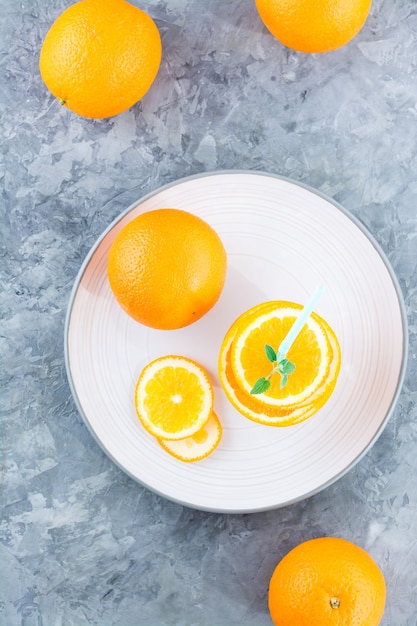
[355, 220]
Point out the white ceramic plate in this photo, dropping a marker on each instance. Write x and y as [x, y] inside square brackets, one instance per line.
[282, 239]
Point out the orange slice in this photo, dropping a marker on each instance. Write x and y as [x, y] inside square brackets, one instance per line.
[253, 406]
[173, 397]
[248, 405]
[310, 352]
[198, 446]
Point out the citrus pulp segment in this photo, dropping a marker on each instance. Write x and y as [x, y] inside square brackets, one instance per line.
[173, 397]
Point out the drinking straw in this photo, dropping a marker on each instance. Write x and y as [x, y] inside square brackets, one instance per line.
[299, 323]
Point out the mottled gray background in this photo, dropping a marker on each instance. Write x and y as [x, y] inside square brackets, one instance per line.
[81, 542]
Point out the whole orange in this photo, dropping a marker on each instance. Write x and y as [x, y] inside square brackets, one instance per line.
[100, 57]
[167, 268]
[327, 582]
[313, 25]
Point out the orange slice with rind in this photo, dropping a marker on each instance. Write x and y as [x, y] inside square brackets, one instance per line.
[249, 406]
[310, 352]
[173, 397]
[198, 446]
[254, 407]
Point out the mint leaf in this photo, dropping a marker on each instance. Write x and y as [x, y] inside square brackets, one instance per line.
[286, 367]
[261, 385]
[270, 353]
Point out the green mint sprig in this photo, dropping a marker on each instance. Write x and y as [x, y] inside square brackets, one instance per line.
[283, 367]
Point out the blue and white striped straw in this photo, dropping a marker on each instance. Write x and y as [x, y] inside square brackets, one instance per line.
[299, 323]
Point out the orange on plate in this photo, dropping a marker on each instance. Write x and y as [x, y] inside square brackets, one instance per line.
[327, 582]
[100, 57]
[198, 446]
[167, 268]
[242, 361]
[313, 25]
[174, 397]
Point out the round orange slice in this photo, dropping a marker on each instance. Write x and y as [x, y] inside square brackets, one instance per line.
[253, 406]
[174, 397]
[198, 446]
[311, 353]
[247, 404]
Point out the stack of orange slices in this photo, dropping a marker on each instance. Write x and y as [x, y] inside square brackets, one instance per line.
[174, 402]
[295, 389]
